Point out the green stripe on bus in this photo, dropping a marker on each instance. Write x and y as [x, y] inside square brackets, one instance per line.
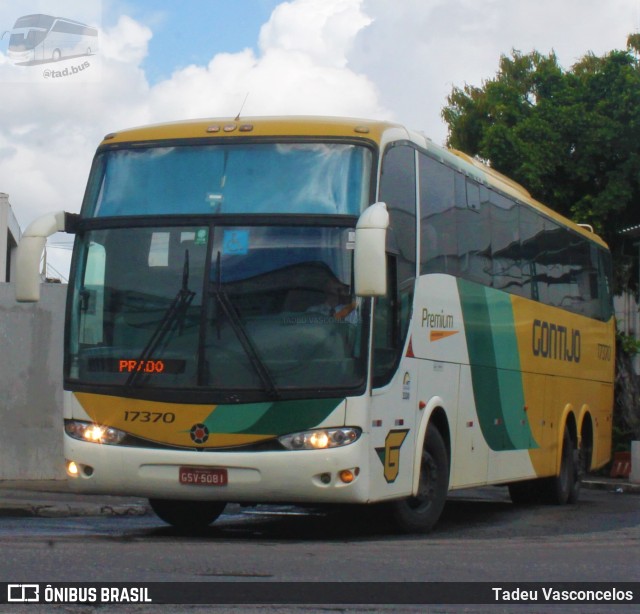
[495, 367]
[278, 418]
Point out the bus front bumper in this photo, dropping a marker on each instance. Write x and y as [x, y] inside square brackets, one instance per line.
[337, 475]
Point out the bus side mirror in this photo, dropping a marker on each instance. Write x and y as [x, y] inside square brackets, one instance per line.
[29, 254]
[370, 266]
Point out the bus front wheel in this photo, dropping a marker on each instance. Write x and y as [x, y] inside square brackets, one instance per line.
[187, 515]
[419, 513]
[56, 55]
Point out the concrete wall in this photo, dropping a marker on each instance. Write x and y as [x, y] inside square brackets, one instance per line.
[9, 238]
[31, 345]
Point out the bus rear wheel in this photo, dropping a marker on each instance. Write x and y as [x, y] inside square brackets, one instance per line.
[418, 514]
[187, 515]
[557, 490]
[565, 487]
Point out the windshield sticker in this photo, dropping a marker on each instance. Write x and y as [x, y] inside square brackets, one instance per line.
[202, 234]
[235, 242]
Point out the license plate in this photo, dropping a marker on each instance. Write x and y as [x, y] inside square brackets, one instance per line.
[203, 476]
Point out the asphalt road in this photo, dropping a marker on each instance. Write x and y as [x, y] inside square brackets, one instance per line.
[482, 537]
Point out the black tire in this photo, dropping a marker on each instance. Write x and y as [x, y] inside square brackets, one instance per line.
[419, 514]
[565, 487]
[187, 515]
[559, 490]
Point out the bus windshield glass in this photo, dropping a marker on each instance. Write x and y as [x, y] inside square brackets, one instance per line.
[258, 310]
[258, 178]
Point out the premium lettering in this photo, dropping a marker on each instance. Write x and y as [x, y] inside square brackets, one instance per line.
[436, 320]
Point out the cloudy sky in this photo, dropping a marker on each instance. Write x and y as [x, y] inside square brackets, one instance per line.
[162, 60]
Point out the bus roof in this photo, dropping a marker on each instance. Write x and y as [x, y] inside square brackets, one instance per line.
[256, 127]
[379, 132]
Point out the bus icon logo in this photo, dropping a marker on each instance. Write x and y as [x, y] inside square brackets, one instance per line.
[38, 39]
[21, 593]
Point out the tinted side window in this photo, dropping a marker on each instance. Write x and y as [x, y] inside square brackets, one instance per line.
[533, 269]
[474, 236]
[470, 231]
[505, 244]
[438, 223]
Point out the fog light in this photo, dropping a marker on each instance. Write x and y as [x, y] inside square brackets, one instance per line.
[72, 469]
[325, 478]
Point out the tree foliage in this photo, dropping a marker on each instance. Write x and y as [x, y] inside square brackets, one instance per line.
[571, 137]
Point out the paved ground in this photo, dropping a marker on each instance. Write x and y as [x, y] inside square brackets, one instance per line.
[52, 498]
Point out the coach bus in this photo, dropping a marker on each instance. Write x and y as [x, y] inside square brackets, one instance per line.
[45, 38]
[322, 310]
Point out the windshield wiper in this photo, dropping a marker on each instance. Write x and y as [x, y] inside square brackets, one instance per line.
[178, 307]
[240, 331]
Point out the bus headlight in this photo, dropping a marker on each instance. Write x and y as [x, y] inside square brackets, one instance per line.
[320, 439]
[95, 433]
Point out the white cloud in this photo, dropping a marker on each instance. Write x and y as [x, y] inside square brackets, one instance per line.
[301, 69]
[415, 51]
[126, 42]
[324, 31]
[377, 58]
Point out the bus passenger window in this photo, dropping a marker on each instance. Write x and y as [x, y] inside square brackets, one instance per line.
[533, 263]
[474, 236]
[505, 244]
[438, 228]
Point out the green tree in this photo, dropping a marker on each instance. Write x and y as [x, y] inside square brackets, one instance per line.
[571, 137]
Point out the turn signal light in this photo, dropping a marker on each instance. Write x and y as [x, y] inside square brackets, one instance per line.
[349, 475]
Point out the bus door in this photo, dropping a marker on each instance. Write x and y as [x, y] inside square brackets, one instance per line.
[395, 376]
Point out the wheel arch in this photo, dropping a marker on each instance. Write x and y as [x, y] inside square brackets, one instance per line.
[434, 413]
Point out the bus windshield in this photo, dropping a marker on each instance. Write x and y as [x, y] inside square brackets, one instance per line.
[257, 311]
[308, 178]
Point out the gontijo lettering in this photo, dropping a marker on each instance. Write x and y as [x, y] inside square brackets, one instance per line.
[555, 341]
